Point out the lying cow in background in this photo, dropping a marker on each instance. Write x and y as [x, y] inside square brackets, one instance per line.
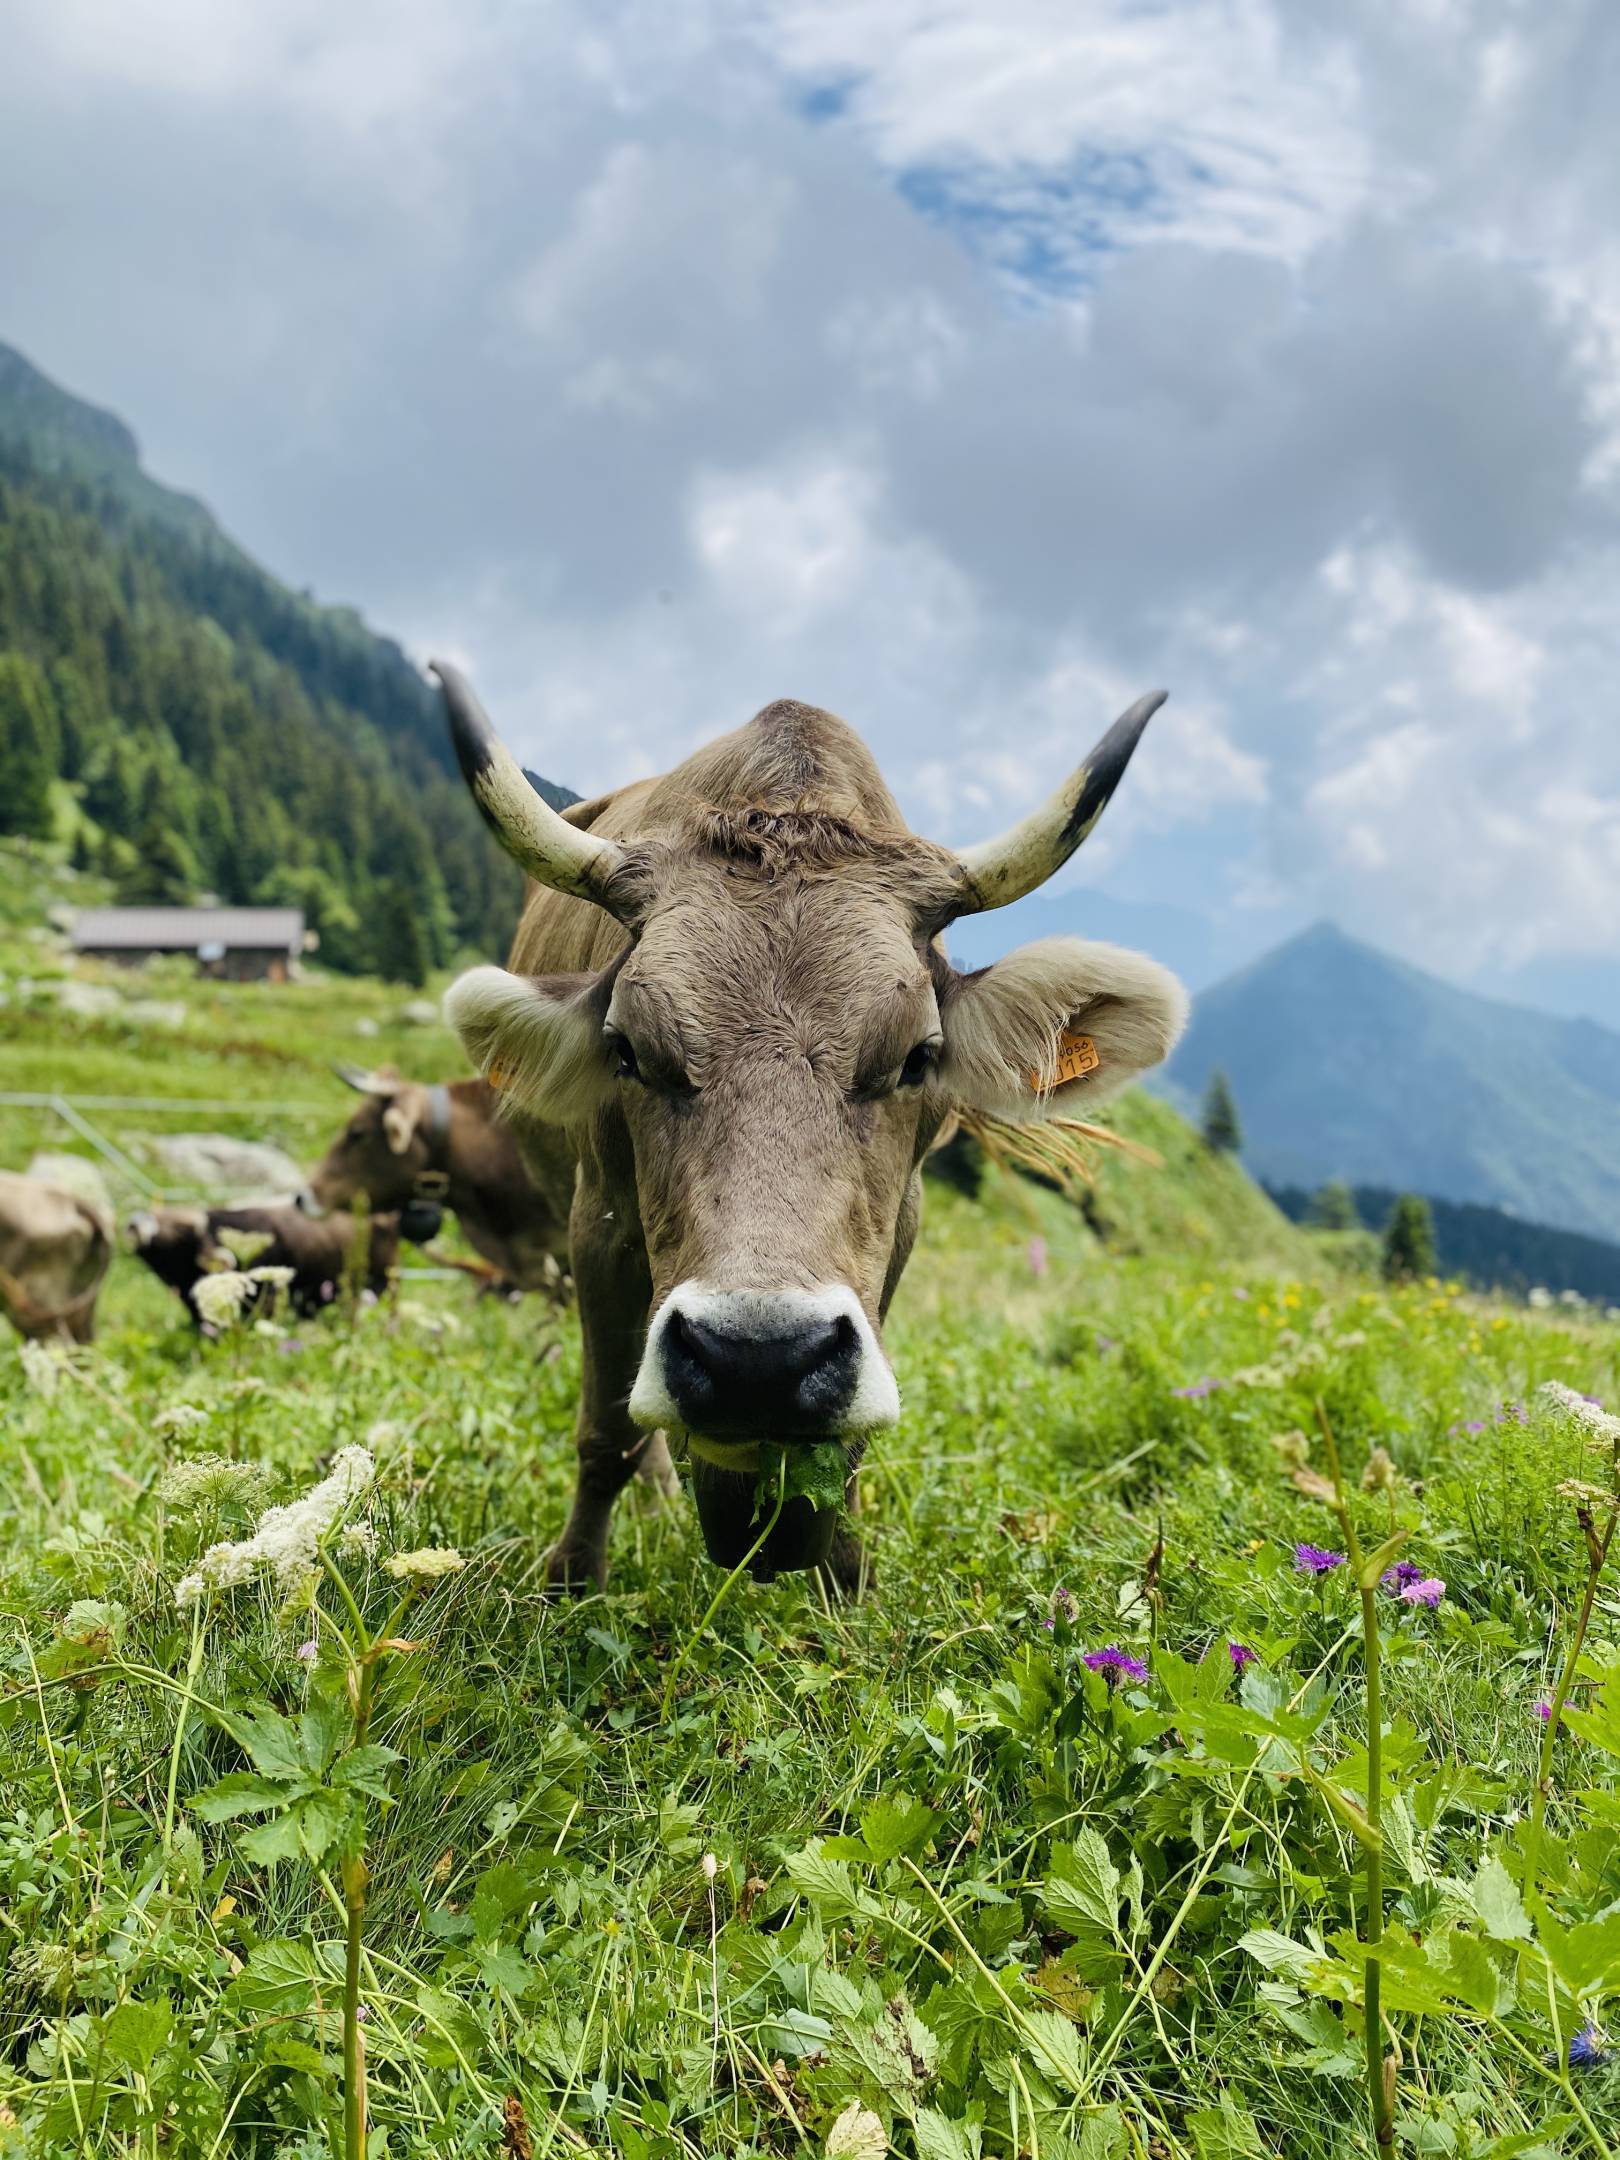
[729, 997]
[182, 1244]
[442, 1141]
[55, 1249]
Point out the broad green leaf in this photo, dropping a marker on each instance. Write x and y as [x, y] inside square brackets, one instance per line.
[270, 1741]
[1052, 2043]
[939, 2138]
[277, 1839]
[1226, 2132]
[242, 1794]
[1498, 1903]
[1281, 1954]
[829, 1886]
[1082, 1887]
[322, 1728]
[282, 1978]
[890, 1827]
[322, 1819]
[365, 1769]
[135, 2031]
[1585, 1957]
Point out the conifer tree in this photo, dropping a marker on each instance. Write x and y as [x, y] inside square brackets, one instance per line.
[1219, 1125]
[1409, 1240]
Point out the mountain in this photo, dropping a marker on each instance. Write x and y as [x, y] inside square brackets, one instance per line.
[1347, 1063]
[184, 720]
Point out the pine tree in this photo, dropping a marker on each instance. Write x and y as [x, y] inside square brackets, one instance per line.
[27, 748]
[165, 870]
[399, 948]
[1333, 1207]
[1221, 1129]
[1409, 1240]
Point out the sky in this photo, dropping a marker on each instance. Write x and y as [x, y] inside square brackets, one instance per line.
[966, 366]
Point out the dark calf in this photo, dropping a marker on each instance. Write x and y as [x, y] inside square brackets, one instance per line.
[181, 1244]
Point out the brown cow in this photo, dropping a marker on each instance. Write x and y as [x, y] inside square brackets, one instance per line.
[727, 990]
[443, 1142]
[55, 1247]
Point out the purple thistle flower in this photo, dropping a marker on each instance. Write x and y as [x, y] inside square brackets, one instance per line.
[1316, 1560]
[308, 1652]
[1241, 1655]
[1196, 1390]
[1105, 1343]
[1587, 2047]
[1396, 1578]
[1429, 1590]
[1474, 1424]
[1544, 1711]
[1113, 1660]
[1037, 1256]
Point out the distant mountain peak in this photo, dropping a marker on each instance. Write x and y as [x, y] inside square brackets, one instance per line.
[1349, 1062]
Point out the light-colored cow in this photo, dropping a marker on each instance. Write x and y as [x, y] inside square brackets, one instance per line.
[728, 993]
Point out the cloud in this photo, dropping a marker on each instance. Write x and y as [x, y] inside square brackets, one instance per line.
[968, 370]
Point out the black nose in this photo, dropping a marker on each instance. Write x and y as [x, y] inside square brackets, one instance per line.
[761, 1386]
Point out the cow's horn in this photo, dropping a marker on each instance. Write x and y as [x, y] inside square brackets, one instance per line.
[551, 850]
[1004, 869]
[356, 1077]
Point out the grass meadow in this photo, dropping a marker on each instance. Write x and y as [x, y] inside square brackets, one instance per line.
[640, 1875]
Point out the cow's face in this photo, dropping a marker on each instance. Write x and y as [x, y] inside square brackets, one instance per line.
[782, 1042]
[382, 1151]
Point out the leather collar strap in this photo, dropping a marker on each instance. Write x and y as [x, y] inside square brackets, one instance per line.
[434, 1182]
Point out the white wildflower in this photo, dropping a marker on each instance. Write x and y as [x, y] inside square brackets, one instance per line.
[1593, 1416]
[220, 1298]
[273, 1278]
[358, 1538]
[428, 1320]
[269, 1330]
[711, 1867]
[181, 1418]
[245, 1246]
[209, 1480]
[856, 2135]
[41, 1367]
[426, 1564]
[286, 1538]
[382, 1436]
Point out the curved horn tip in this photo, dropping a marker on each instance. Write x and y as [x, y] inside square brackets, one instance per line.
[471, 733]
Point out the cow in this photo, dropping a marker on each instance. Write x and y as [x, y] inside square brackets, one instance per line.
[442, 1142]
[728, 992]
[55, 1249]
[182, 1244]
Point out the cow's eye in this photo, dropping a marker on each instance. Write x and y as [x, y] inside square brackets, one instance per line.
[625, 1066]
[920, 1062]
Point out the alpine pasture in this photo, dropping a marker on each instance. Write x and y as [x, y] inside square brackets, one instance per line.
[1069, 1839]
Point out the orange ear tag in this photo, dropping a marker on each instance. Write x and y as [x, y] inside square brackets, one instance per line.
[496, 1076]
[1076, 1056]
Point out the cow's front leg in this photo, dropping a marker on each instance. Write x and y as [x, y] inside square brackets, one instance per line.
[610, 1268]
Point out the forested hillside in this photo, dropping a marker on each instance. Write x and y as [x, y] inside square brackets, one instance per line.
[214, 730]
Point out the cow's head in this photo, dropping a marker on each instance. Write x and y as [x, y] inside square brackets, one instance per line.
[383, 1151]
[783, 1038]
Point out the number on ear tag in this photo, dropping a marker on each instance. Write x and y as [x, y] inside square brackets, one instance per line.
[1076, 1056]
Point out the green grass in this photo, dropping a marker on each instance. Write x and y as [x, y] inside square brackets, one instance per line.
[909, 1857]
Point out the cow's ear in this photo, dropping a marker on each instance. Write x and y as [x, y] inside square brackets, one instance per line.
[1057, 1027]
[538, 1039]
[400, 1120]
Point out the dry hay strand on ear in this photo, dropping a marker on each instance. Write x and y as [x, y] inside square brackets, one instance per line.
[1061, 1151]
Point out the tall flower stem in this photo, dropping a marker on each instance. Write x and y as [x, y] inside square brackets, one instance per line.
[1597, 1553]
[182, 1719]
[1380, 2083]
[355, 1876]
